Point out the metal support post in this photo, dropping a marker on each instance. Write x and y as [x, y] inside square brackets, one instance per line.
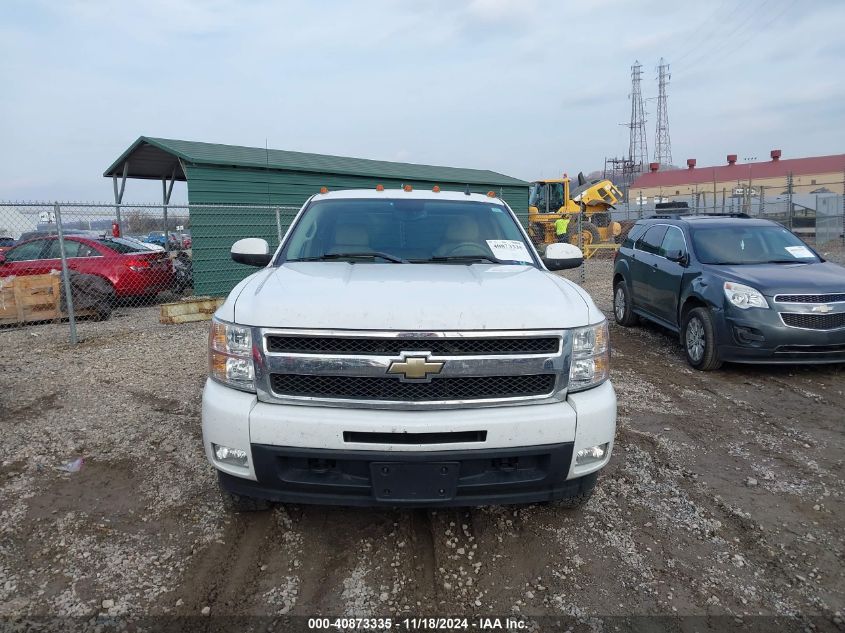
[65, 275]
[166, 191]
[118, 194]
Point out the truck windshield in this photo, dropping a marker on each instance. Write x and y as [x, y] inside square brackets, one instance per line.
[407, 231]
[750, 245]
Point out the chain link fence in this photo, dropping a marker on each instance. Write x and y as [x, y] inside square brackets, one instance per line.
[816, 216]
[76, 261]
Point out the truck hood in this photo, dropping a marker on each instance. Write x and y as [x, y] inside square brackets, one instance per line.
[772, 279]
[408, 297]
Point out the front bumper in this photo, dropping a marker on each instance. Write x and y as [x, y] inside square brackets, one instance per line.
[309, 454]
[408, 479]
[760, 336]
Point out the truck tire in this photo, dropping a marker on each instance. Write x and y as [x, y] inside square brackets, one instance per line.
[698, 336]
[570, 503]
[622, 311]
[590, 231]
[238, 503]
[580, 496]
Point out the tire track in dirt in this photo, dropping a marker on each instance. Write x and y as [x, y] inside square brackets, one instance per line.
[223, 573]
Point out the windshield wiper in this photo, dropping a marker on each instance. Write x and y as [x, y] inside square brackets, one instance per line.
[373, 254]
[469, 259]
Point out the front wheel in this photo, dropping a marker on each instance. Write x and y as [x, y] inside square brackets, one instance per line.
[622, 311]
[575, 501]
[579, 494]
[699, 339]
[238, 503]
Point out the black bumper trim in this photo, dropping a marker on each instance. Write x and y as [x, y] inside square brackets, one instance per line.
[337, 477]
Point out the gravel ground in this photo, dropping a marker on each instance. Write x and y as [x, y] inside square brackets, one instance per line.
[724, 499]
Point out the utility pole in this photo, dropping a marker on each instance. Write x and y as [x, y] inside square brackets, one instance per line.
[662, 143]
[637, 146]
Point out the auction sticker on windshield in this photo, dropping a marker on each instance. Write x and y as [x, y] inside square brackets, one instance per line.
[798, 251]
[510, 250]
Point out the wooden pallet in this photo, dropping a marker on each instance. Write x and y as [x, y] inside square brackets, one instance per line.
[190, 309]
[30, 298]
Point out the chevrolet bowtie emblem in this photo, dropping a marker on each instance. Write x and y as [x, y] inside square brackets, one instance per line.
[414, 368]
[824, 309]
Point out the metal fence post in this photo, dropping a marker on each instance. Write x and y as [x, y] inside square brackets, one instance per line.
[583, 271]
[166, 232]
[279, 223]
[789, 198]
[65, 274]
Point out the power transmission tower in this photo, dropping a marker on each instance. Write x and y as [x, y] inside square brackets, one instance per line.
[637, 147]
[662, 144]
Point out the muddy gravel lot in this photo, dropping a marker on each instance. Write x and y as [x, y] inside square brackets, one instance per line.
[724, 500]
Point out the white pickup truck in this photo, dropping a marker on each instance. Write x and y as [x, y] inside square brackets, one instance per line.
[407, 348]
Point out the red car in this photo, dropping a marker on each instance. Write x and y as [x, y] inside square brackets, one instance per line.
[131, 271]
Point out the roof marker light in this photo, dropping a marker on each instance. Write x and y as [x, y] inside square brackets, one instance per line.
[408, 188]
[324, 189]
[491, 194]
[379, 187]
[436, 189]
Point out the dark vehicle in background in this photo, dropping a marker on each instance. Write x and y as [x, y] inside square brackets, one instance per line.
[131, 271]
[734, 289]
[6, 243]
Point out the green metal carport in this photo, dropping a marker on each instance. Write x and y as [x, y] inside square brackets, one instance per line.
[231, 178]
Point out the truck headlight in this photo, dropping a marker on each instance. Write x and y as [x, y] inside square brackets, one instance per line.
[590, 357]
[230, 355]
[744, 297]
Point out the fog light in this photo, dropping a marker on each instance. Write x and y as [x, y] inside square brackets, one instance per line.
[233, 456]
[592, 454]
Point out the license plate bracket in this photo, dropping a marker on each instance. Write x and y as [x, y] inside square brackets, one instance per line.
[414, 481]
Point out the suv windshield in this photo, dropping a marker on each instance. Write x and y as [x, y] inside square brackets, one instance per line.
[407, 231]
[749, 245]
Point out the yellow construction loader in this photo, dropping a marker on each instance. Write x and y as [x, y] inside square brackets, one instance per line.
[554, 199]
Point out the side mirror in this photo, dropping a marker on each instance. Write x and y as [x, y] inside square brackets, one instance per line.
[252, 251]
[677, 256]
[562, 256]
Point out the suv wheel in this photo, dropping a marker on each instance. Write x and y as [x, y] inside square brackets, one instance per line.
[622, 305]
[699, 340]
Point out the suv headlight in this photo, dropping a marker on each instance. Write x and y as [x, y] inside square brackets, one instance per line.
[590, 357]
[230, 355]
[744, 297]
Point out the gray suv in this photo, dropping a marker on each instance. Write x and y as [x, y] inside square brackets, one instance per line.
[733, 288]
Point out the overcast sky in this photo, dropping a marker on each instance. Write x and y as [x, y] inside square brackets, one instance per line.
[523, 87]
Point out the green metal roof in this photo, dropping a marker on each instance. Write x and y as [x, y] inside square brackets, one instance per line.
[159, 157]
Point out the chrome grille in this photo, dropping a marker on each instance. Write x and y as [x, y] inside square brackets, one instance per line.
[814, 321]
[374, 369]
[395, 346]
[827, 298]
[367, 388]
